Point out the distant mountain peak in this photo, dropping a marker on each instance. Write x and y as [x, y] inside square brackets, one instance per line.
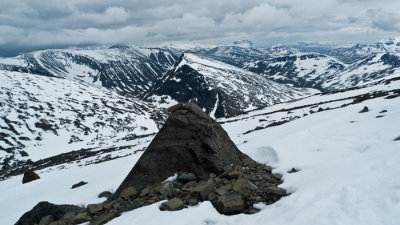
[243, 43]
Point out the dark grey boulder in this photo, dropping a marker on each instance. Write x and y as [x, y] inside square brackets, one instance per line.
[46, 209]
[29, 175]
[231, 203]
[189, 141]
[364, 110]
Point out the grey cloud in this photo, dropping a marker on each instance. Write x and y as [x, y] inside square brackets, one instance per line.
[74, 22]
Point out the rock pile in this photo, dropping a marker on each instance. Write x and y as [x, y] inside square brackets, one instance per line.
[191, 159]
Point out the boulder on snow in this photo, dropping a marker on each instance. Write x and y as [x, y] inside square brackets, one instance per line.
[172, 205]
[29, 175]
[365, 109]
[190, 141]
[46, 211]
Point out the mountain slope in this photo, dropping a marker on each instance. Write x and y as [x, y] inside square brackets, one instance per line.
[126, 69]
[42, 117]
[220, 89]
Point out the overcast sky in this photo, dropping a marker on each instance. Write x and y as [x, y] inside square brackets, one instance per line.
[31, 24]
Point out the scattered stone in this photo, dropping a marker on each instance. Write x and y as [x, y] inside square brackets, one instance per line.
[94, 208]
[365, 109]
[277, 191]
[233, 175]
[293, 170]
[232, 203]
[104, 218]
[383, 111]
[168, 189]
[213, 175]
[145, 191]
[105, 194]
[29, 175]
[129, 193]
[186, 177]
[203, 189]
[68, 217]
[78, 184]
[379, 116]
[44, 209]
[172, 205]
[81, 218]
[397, 139]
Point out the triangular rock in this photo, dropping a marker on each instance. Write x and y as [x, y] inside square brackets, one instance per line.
[189, 141]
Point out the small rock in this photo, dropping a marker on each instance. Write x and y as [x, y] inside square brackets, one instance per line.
[397, 139]
[189, 185]
[172, 205]
[193, 201]
[233, 174]
[81, 218]
[93, 208]
[277, 191]
[105, 194]
[29, 175]
[365, 109]
[109, 205]
[145, 191]
[203, 189]
[129, 193]
[228, 168]
[293, 170]
[168, 189]
[239, 184]
[104, 218]
[383, 111]
[379, 116]
[232, 203]
[78, 184]
[213, 175]
[68, 217]
[186, 177]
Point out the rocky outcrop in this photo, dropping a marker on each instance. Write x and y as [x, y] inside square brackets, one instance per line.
[190, 141]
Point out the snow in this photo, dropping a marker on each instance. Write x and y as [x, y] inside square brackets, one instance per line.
[348, 164]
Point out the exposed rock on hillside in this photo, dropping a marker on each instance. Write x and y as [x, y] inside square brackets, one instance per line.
[189, 141]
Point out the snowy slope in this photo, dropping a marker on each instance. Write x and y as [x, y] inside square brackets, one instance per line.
[348, 164]
[41, 117]
[220, 89]
[126, 69]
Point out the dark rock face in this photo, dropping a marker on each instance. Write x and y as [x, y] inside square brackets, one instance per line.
[29, 176]
[189, 141]
[43, 210]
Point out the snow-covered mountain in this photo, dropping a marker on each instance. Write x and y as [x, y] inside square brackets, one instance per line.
[220, 89]
[341, 156]
[126, 69]
[41, 117]
[321, 68]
